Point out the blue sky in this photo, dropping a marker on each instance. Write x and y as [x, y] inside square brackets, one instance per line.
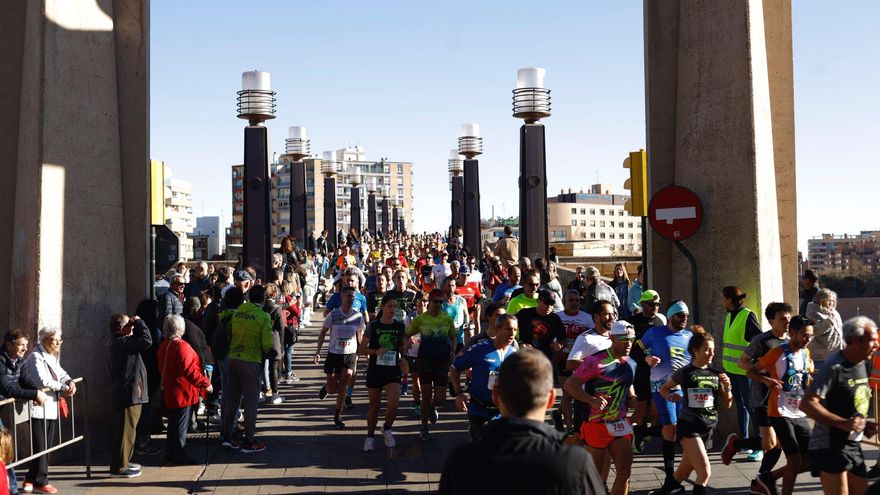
[400, 77]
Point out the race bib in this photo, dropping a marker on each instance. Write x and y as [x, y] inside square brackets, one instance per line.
[618, 428]
[700, 398]
[347, 346]
[790, 402]
[387, 358]
[493, 376]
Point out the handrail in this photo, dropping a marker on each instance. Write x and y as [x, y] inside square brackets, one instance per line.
[12, 424]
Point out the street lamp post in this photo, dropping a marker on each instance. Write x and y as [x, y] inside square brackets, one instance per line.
[328, 169]
[531, 102]
[256, 104]
[297, 148]
[371, 205]
[385, 191]
[395, 215]
[355, 180]
[456, 171]
[470, 144]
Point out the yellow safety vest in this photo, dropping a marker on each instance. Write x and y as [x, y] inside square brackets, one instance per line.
[735, 343]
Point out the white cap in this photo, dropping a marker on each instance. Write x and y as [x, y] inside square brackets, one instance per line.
[622, 327]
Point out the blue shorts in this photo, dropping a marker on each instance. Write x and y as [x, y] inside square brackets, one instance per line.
[667, 412]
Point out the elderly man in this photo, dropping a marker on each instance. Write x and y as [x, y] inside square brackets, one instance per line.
[128, 389]
[171, 302]
[507, 248]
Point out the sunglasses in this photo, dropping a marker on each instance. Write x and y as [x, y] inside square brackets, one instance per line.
[680, 315]
[625, 339]
[655, 304]
[437, 301]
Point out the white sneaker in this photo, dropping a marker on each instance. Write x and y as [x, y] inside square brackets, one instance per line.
[368, 444]
[389, 439]
[277, 399]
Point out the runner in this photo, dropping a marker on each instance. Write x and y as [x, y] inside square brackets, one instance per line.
[698, 388]
[642, 320]
[779, 316]
[384, 342]
[374, 298]
[838, 401]
[789, 366]
[575, 322]
[604, 382]
[483, 359]
[350, 278]
[540, 327]
[412, 350]
[529, 297]
[403, 296]
[587, 344]
[455, 306]
[437, 342]
[666, 351]
[346, 327]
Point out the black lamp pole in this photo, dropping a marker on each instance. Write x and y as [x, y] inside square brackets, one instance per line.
[470, 144]
[297, 148]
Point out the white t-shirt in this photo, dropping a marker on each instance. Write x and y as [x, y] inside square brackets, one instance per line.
[587, 344]
[343, 330]
[440, 272]
[574, 326]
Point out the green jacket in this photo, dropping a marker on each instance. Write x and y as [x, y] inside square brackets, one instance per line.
[251, 333]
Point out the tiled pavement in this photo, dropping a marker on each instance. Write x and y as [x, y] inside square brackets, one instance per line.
[306, 454]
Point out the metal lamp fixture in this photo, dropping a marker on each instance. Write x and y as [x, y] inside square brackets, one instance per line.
[456, 167]
[296, 148]
[297, 144]
[531, 100]
[470, 144]
[256, 100]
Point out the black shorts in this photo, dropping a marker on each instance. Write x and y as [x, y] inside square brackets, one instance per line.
[642, 381]
[412, 364]
[793, 434]
[835, 461]
[687, 429]
[433, 371]
[759, 414]
[379, 376]
[335, 363]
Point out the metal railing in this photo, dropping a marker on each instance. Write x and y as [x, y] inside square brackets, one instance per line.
[15, 412]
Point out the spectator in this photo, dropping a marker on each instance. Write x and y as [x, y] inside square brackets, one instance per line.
[43, 364]
[828, 326]
[597, 290]
[7, 453]
[810, 282]
[621, 285]
[183, 383]
[520, 442]
[171, 302]
[507, 248]
[128, 389]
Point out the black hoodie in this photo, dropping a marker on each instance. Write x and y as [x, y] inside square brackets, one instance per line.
[518, 455]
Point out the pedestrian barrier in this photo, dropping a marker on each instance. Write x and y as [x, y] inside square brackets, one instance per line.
[875, 398]
[17, 412]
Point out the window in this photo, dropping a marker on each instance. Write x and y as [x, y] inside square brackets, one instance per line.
[602, 223]
[399, 169]
[574, 211]
[574, 223]
[387, 181]
[602, 235]
[611, 212]
[602, 211]
[386, 169]
[400, 192]
[583, 211]
[583, 223]
[592, 223]
[592, 211]
[630, 225]
[611, 236]
[592, 235]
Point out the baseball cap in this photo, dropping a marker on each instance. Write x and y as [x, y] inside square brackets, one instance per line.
[679, 307]
[650, 296]
[547, 295]
[622, 327]
[464, 270]
[593, 273]
[243, 275]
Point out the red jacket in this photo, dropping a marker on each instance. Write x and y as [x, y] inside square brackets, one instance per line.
[182, 378]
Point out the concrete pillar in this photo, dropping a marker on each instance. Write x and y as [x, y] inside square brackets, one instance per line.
[74, 175]
[719, 114]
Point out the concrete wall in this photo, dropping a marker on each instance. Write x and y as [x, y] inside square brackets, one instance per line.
[75, 183]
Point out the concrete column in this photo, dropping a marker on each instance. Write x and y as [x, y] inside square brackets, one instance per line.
[719, 110]
[74, 180]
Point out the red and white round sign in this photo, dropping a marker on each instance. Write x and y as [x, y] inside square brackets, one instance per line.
[675, 212]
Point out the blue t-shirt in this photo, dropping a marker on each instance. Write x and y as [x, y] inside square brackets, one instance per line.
[671, 348]
[359, 304]
[485, 360]
[458, 312]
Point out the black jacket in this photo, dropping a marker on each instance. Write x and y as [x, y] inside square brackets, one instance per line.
[14, 383]
[518, 455]
[195, 337]
[128, 376]
[169, 304]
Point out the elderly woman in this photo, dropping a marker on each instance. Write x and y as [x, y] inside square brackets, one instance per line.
[183, 382]
[43, 363]
[827, 325]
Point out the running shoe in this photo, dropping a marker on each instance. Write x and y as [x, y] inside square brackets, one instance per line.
[231, 444]
[252, 447]
[128, 473]
[672, 488]
[27, 487]
[424, 434]
[729, 449]
[435, 415]
[874, 473]
[557, 420]
[148, 450]
[338, 422]
[348, 403]
[417, 409]
[766, 483]
[134, 465]
[368, 444]
[390, 442]
[291, 378]
[640, 439]
[756, 456]
[323, 392]
[277, 399]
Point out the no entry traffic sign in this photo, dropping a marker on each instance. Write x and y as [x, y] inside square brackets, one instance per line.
[675, 213]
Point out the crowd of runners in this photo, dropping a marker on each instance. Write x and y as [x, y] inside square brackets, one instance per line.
[419, 320]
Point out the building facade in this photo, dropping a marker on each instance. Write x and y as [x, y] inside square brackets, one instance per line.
[208, 238]
[396, 175]
[595, 220]
[846, 254]
[179, 212]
